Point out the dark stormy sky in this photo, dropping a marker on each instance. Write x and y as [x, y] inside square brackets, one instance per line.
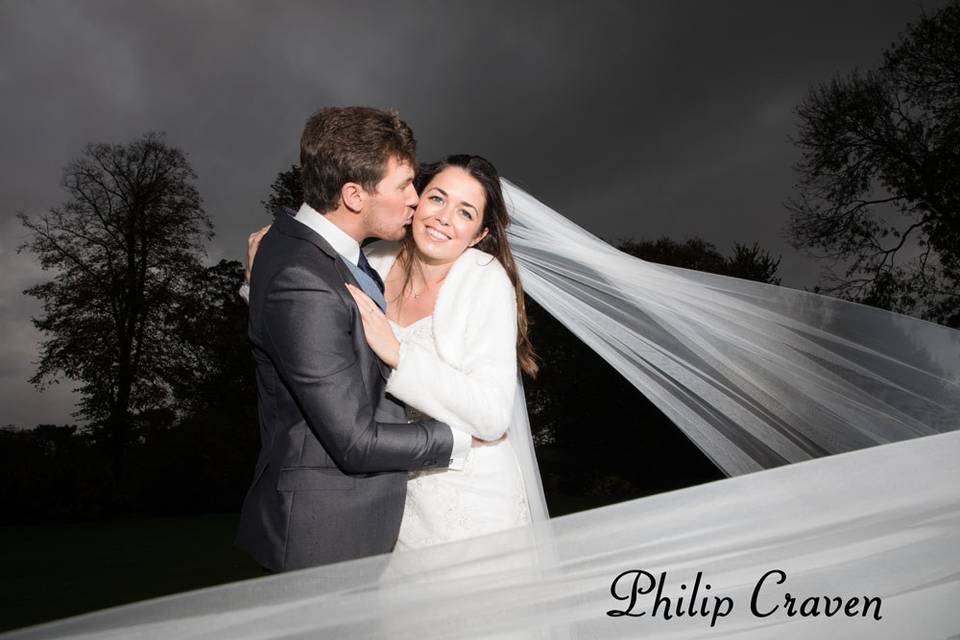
[632, 118]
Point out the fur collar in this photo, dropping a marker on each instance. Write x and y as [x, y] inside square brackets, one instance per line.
[475, 276]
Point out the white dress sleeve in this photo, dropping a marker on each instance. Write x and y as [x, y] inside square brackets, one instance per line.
[476, 395]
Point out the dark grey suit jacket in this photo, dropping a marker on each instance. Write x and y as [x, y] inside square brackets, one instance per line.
[330, 481]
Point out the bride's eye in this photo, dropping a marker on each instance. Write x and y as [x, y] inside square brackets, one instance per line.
[466, 214]
[436, 199]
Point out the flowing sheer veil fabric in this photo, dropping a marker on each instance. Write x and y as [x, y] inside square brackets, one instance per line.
[756, 375]
[880, 522]
[759, 377]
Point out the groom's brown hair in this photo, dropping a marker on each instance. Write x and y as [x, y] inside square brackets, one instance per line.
[350, 144]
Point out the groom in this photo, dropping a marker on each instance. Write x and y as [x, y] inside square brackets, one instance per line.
[330, 480]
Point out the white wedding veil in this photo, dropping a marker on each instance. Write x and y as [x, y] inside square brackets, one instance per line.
[756, 375]
[837, 422]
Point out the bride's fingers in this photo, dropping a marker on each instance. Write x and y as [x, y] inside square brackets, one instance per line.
[366, 305]
[356, 296]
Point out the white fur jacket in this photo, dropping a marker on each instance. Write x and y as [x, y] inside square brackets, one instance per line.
[472, 385]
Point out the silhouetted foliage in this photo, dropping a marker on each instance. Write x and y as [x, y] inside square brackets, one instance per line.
[879, 189]
[212, 327]
[750, 263]
[285, 192]
[52, 473]
[124, 248]
[194, 455]
[218, 432]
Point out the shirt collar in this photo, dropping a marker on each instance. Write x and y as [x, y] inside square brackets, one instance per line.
[341, 242]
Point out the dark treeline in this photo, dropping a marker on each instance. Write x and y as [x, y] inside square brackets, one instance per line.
[193, 458]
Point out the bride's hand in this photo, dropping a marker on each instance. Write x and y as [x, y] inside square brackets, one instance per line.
[477, 442]
[376, 328]
[253, 243]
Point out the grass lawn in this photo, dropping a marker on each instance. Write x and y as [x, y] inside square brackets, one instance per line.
[54, 571]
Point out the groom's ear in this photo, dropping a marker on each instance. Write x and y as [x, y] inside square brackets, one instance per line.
[353, 196]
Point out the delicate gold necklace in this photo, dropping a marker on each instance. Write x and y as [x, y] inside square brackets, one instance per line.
[425, 287]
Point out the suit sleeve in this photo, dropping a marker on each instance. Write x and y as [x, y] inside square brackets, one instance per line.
[478, 396]
[308, 328]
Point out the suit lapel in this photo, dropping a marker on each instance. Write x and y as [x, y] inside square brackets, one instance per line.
[287, 225]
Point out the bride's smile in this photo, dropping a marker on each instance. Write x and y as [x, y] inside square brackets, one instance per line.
[449, 216]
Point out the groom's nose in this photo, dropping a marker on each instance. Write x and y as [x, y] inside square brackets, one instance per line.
[412, 198]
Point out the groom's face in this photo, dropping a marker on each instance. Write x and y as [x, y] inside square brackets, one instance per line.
[389, 210]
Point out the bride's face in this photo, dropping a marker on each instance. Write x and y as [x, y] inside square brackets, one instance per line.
[448, 218]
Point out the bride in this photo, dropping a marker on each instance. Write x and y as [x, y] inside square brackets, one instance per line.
[455, 334]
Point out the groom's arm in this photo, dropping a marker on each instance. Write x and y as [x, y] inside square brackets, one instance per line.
[307, 327]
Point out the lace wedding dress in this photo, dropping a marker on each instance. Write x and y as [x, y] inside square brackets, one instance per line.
[487, 495]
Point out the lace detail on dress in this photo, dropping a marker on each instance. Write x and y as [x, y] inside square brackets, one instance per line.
[420, 332]
[441, 505]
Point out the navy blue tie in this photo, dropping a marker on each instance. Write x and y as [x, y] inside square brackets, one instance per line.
[367, 269]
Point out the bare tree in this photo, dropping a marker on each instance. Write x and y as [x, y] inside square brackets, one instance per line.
[124, 246]
[879, 189]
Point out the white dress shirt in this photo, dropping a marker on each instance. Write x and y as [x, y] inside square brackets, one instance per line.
[340, 240]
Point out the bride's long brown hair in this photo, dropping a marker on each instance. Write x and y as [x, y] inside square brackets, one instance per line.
[495, 220]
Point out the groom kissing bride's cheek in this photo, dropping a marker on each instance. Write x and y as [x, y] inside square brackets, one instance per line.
[387, 376]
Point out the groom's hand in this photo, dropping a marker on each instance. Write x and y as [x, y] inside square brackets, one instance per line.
[477, 442]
